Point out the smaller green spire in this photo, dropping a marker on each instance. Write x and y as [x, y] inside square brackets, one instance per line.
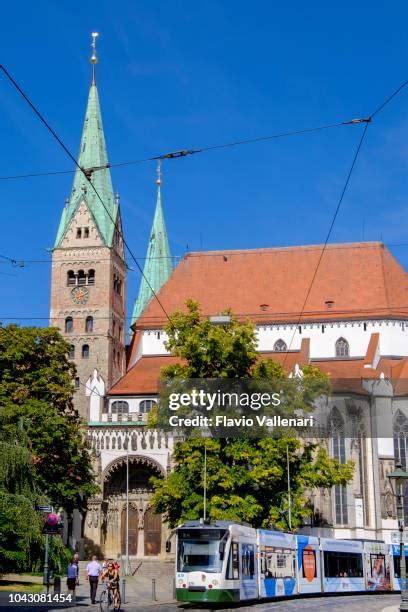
[158, 265]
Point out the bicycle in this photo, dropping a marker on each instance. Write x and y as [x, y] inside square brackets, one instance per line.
[106, 599]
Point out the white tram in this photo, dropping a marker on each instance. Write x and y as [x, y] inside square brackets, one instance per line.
[225, 561]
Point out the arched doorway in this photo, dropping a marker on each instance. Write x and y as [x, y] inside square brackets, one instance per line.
[152, 532]
[133, 531]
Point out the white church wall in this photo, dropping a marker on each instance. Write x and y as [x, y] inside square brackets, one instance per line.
[323, 337]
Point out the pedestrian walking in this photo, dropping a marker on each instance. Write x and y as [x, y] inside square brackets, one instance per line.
[72, 575]
[76, 561]
[93, 570]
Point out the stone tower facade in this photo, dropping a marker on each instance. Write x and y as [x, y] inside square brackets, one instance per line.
[88, 284]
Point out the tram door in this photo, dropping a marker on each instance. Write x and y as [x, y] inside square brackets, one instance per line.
[249, 578]
[133, 531]
[152, 533]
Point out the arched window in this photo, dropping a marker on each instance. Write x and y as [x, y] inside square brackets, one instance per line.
[71, 352]
[146, 406]
[336, 429]
[89, 324]
[69, 325]
[280, 346]
[85, 351]
[91, 277]
[401, 449]
[77, 382]
[342, 348]
[81, 277]
[120, 407]
[71, 280]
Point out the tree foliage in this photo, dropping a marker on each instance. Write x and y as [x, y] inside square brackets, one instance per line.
[246, 478]
[36, 395]
[43, 457]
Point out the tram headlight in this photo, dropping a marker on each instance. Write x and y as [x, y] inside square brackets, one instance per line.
[215, 582]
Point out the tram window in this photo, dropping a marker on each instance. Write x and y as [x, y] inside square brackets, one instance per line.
[277, 564]
[343, 564]
[198, 556]
[233, 562]
[309, 568]
[248, 560]
[397, 565]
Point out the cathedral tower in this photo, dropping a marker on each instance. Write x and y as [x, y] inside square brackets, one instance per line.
[88, 284]
[158, 264]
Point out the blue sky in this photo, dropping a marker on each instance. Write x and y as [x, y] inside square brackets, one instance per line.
[182, 73]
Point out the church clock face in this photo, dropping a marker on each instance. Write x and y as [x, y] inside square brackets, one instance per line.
[80, 295]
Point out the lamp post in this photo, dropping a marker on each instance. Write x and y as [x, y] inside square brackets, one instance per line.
[399, 476]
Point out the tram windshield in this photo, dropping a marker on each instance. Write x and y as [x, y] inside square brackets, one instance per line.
[200, 550]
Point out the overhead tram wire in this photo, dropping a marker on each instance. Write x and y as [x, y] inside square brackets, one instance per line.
[337, 209]
[187, 152]
[87, 176]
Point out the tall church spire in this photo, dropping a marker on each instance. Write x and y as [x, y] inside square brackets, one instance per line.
[93, 159]
[158, 264]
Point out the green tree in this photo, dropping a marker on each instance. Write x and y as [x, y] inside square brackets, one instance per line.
[246, 478]
[36, 388]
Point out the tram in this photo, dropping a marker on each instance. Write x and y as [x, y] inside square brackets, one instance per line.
[224, 561]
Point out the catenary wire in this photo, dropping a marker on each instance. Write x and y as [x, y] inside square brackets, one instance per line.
[337, 209]
[186, 152]
[86, 175]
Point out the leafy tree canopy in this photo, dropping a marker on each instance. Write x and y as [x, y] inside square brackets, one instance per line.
[36, 408]
[246, 478]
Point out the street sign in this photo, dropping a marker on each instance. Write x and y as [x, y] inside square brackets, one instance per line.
[396, 537]
[46, 509]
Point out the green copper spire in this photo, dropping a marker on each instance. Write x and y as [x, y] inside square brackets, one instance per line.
[158, 265]
[92, 154]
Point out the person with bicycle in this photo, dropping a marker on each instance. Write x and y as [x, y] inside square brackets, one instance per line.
[111, 575]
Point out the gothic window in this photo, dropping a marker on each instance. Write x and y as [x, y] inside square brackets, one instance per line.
[86, 232]
[89, 324]
[71, 352]
[120, 407]
[71, 280]
[85, 351]
[336, 424]
[79, 232]
[280, 346]
[342, 348]
[69, 325]
[146, 406]
[401, 449]
[81, 277]
[91, 277]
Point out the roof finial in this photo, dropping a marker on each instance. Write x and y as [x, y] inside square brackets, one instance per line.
[94, 57]
[158, 180]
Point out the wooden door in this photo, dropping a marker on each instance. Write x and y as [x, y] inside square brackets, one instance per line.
[133, 530]
[152, 532]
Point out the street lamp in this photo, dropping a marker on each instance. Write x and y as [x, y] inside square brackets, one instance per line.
[399, 476]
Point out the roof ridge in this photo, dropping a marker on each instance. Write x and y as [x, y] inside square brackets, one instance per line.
[306, 247]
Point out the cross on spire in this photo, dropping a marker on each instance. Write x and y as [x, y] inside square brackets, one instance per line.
[94, 57]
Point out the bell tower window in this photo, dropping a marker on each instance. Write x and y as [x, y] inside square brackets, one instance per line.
[71, 352]
[89, 324]
[79, 232]
[69, 325]
[86, 232]
[91, 277]
[71, 280]
[81, 277]
[85, 351]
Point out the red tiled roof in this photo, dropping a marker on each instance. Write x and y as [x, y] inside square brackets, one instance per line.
[360, 280]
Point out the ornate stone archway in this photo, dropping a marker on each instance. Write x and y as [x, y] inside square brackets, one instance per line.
[114, 479]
